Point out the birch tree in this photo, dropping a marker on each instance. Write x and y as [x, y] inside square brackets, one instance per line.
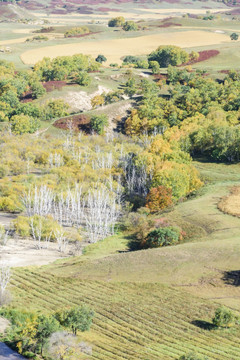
[5, 276]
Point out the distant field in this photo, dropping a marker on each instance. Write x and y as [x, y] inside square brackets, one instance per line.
[114, 49]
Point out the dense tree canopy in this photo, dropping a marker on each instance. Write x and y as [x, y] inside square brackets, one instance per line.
[169, 55]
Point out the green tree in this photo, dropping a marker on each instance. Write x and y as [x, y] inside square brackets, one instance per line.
[37, 90]
[22, 124]
[234, 36]
[116, 22]
[169, 55]
[130, 26]
[56, 109]
[77, 319]
[83, 79]
[101, 58]
[162, 237]
[154, 65]
[223, 317]
[46, 326]
[10, 97]
[130, 59]
[130, 87]
[98, 123]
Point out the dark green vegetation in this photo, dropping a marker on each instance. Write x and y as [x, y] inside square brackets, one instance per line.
[126, 25]
[30, 333]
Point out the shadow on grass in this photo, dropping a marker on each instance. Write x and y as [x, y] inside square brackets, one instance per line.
[205, 325]
[232, 277]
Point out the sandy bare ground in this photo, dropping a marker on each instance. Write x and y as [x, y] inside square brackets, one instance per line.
[20, 252]
[6, 218]
[116, 48]
[81, 101]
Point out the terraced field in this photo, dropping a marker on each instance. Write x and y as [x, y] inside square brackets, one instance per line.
[132, 321]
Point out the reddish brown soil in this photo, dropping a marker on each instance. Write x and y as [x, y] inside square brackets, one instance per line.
[204, 55]
[160, 77]
[79, 122]
[27, 98]
[224, 71]
[54, 85]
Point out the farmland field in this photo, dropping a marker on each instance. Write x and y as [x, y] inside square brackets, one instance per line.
[115, 49]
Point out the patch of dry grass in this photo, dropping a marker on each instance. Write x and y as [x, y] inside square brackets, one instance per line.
[231, 204]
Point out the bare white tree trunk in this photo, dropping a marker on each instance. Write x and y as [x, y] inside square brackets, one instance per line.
[38, 201]
[4, 237]
[5, 276]
[37, 232]
[61, 239]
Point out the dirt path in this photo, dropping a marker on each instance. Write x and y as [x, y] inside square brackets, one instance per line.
[8, 354]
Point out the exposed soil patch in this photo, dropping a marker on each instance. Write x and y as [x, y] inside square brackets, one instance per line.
[20, 252]
[204, 55]
[78, 122]
[55, 85]
[224, 71]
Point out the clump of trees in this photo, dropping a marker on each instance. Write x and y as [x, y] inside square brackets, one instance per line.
[119, 21]
[130, 26]
[65, 67]
[116, 22]
[169, 55]
[80, 30]
[101, 58]
[98, 123]
[31, 333]
[136, 62]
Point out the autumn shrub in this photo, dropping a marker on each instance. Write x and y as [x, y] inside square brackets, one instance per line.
[21, 226]
[24, 226]
[10, 204]
[159, 198]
